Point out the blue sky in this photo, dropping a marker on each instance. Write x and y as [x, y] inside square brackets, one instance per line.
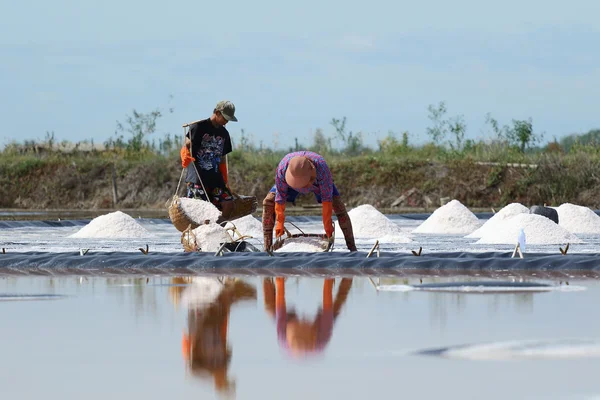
[75, 67]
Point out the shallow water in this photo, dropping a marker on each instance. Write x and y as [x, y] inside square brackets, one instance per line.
[121, 337]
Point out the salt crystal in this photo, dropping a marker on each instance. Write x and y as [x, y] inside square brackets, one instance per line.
[578, 219]
[247, 226]
[507, 212]
[199, 210]
[302, 244]
[112, 225]
[210, 237]
[369, 222]
[451, 218]
[538, 230]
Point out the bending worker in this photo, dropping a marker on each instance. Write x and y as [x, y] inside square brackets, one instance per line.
[304, 172]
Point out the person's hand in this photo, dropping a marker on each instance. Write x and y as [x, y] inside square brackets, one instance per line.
[186, 157]
[327, 222]
[280, 218]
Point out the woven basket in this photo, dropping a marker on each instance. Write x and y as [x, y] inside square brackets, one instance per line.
[188, 240]
[242, 206]
[326, 242]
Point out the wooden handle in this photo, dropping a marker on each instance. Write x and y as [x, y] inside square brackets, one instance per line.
[190, 123]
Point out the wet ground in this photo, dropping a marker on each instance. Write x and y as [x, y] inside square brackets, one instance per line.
[342, 330]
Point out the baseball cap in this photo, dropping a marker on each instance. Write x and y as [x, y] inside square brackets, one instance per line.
[227, 109]
[299, 172]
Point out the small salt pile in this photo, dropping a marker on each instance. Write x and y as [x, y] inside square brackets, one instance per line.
[247, 226]
[112, 225]
[451, 218]
[301, 244]
[509, 211]
[538, 230]
[199, 210]
[368, 222]
[209, 237]
[578, 219]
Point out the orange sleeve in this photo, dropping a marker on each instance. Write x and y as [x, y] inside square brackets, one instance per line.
[327, 214]
[224, 171]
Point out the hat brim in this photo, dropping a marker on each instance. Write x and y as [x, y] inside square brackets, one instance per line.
[229, 118]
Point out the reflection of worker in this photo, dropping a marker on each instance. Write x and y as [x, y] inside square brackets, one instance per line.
[299, 335]
[204, 346]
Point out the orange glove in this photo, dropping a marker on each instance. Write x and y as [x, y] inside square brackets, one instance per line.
[327, 223]
[186, 157]
[224, 172]
[280, 218]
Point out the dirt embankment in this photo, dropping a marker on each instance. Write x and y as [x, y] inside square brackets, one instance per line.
[89, 183]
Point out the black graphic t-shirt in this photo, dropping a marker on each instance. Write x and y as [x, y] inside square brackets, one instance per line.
[209, 145]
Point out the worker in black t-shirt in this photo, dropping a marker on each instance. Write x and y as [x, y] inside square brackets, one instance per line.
[206, 163]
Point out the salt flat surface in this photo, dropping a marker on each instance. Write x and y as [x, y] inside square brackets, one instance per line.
[162, 236]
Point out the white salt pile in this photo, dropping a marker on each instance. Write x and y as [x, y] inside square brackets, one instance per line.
[451, 218]
[247, 226]
[112, 225]
[302, 244]
[578, 219]
[509, 211]
[199, 210]
[538, 230]
[368, 222]
[209, 237]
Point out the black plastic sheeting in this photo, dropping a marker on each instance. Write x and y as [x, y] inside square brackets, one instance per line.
[246, 263]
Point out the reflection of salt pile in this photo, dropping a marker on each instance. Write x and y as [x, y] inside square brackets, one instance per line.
[209, 237]
[368, 222]
[578, 219]
[304, 244]
[538, 230]
[199, 210]
[451, 218]
[113, 225]
[248, 226]
[201, 292]
[507, 212]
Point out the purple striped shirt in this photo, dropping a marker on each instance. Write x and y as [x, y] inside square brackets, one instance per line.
[323, 185]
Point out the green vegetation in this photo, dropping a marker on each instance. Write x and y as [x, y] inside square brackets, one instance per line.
[509, 165]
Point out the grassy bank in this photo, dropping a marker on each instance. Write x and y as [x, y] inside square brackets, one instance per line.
[84, 180]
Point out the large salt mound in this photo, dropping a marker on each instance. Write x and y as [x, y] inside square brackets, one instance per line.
[368, 222]
[451, 218]
[578, 219]
[199, 210]
[505, 213]
[112, 225]
[247, 226]
[209, 237]
[538, 230]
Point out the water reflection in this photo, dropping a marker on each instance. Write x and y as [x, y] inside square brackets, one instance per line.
[299, 335]
[208, 301]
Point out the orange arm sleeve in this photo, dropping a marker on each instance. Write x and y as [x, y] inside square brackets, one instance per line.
[224, 171]
[327, 214]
